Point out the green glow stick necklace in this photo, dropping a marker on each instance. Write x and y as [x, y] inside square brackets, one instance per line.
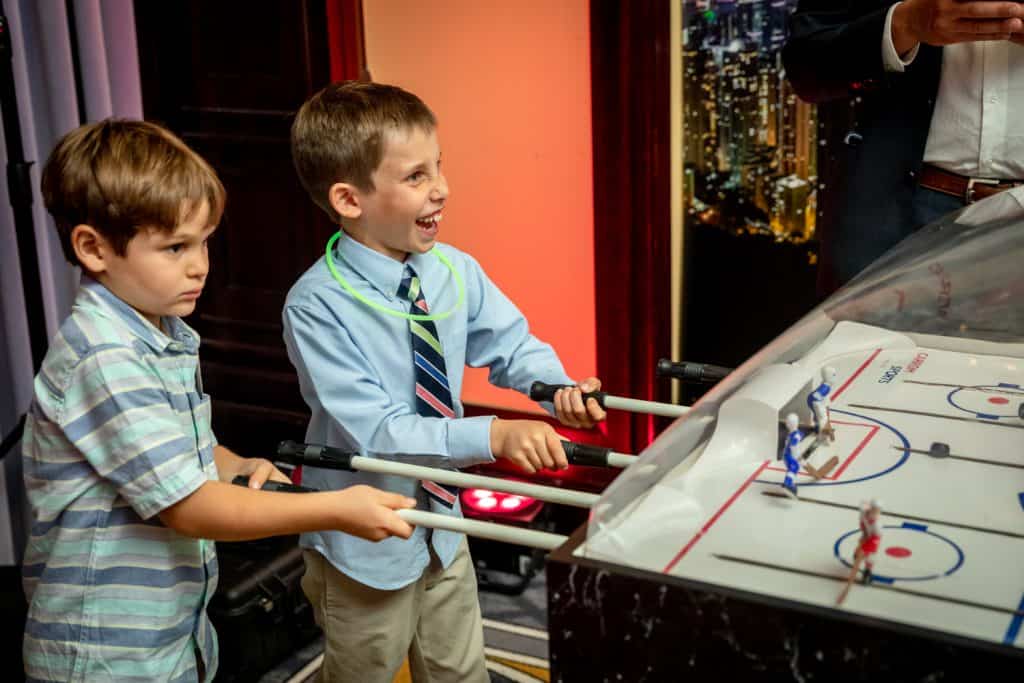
[390, 311]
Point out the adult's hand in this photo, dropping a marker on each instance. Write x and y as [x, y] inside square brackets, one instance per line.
[945, 22]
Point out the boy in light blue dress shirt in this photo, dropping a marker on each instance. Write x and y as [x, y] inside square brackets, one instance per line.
[121, 467]
[369, 156]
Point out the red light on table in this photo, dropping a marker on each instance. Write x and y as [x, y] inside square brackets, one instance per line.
[493, 502]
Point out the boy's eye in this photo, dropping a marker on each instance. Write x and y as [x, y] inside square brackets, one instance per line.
[418, 175]
[176, 248]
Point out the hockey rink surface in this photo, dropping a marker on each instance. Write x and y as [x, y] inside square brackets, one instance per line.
[952, 552]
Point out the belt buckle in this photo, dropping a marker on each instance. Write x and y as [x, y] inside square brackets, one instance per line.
[971, 182]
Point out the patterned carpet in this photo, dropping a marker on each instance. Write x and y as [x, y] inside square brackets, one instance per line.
[515, 641]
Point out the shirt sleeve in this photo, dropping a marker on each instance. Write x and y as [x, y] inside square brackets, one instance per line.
[893, 62]
[335, 377]
[121, 418]
[499, 338]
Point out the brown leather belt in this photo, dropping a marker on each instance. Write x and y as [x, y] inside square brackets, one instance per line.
[968, 190]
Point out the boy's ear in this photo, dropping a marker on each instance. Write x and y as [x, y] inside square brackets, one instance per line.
[344, 199]
[92, 250]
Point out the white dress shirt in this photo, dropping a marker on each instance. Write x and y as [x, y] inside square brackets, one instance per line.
[981, 96]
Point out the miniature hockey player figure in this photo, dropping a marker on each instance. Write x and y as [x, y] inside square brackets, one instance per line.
[816, 402]
[870, 536]
[790, 452]
[867, 545]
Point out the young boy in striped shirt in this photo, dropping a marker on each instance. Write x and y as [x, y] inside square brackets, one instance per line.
[380, 330]
[122, 470]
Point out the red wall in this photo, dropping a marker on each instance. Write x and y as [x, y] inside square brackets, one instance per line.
[510, 84]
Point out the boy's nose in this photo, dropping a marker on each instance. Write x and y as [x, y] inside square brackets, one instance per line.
[198, 267]
[440, 191]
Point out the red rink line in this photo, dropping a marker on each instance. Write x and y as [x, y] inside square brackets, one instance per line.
[854, 375]
[704, 529]
[864, 442]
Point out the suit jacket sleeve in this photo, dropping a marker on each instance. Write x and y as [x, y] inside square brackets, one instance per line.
[835, 48]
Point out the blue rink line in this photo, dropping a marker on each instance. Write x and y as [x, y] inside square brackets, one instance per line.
[899, 463]
[1015, 624]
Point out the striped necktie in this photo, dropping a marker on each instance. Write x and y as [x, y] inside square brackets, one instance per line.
[433, 395]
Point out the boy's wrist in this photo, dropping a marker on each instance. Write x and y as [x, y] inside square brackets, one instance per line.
[469, 440]
[496, 434]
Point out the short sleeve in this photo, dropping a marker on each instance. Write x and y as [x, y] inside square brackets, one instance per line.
[120, 416]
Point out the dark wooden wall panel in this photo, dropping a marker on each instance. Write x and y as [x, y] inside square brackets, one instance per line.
[228, 77]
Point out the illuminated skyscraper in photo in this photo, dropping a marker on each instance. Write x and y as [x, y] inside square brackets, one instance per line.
[749, 143]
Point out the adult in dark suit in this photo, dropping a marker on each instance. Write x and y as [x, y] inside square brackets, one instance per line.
[936, 84]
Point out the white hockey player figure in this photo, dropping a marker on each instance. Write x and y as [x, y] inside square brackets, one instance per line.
[790, 452]
[816, 402]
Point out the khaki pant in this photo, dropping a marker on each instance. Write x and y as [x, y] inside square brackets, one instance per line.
[368, 632]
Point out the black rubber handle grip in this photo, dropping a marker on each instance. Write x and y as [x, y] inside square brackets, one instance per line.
[242, 480]
[692, 372]
[585, 454]
[315, 455]
[546, 392]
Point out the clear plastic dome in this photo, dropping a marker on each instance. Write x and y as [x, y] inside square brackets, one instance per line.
[927, 408]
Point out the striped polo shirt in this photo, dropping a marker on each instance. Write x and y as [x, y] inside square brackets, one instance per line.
[118, 430]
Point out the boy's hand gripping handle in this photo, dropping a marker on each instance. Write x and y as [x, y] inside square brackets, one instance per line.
[585, 454]
[539, 391]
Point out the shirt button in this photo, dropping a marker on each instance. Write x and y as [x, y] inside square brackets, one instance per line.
[993, 99]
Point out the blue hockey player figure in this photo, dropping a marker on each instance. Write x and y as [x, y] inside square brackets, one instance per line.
[816, 402]
[790, 452]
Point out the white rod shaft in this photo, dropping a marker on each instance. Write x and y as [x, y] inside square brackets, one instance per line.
[495, 532]
[635, 406]
[620, 459]
[549, 494]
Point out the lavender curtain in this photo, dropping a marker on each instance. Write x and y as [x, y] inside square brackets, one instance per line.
[42, 34]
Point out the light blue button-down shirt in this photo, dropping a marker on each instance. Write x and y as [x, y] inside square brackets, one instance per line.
[355, 368]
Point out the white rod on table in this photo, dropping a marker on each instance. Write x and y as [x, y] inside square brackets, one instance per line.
[620, 459]
[637, 406]
[495, 532]
[548, 494]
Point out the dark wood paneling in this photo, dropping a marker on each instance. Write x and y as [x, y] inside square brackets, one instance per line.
[228, 77]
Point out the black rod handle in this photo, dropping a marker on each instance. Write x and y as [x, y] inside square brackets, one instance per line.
[539, 391]
[692, 372]
[243, 480]
[586, 454]
[315, 455]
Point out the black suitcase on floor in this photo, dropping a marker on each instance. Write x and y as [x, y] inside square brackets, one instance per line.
[259, 610]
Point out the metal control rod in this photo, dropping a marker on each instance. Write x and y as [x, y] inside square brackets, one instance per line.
[596, 456]
[495, 532]
[471, 527]
[685, 371]
[334, 458]
[540, 391]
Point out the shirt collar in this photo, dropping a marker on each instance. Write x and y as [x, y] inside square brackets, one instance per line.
[382, 272]
[181, 337]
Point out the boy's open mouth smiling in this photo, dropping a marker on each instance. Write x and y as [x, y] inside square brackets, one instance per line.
[429, 222]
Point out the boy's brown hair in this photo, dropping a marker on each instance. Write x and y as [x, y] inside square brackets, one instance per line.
[119, 177]
[338, 134]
